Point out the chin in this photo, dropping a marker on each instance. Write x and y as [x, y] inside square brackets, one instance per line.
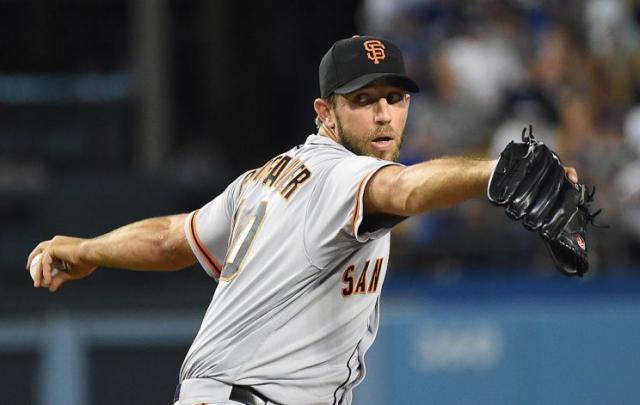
[391, 156]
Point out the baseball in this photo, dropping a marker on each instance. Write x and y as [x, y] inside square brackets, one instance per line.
[57, 266]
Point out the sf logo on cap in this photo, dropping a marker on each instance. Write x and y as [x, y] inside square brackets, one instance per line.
[375, 50]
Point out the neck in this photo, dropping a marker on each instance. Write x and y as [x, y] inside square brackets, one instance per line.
[329, 133]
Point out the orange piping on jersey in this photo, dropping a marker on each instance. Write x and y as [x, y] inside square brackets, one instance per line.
[215, 266]
[356, 210]
[246, 178]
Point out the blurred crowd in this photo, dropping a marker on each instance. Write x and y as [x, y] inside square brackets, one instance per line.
[72, 110]
[488, 69]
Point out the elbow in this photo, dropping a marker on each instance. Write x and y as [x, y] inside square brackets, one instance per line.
[411, 197]
[173, 246]
[405, 197]
[412, 204]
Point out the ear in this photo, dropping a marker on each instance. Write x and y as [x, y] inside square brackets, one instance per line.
[323, 111]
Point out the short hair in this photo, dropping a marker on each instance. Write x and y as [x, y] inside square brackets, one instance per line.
[332, 100]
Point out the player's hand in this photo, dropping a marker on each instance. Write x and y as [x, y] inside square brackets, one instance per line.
[62, 248]
[572, 174]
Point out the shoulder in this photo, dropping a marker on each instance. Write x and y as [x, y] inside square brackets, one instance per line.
[322, 148]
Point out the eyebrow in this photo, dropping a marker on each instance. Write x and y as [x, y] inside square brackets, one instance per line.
[390, 88]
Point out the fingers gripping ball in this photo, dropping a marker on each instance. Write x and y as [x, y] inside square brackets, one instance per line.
[56, 267]
[529, 181]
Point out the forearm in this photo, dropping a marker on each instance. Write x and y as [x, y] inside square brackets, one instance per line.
[439, 183]
[150, 244]
[443, 183]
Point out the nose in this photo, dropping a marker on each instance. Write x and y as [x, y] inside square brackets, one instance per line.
[382, 112]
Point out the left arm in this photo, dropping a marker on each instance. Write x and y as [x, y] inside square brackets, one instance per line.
[416, 189]
[438, 183]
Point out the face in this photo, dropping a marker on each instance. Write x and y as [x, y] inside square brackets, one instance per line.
[370, 121]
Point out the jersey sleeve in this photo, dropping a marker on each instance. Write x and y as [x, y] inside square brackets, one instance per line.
[334, 219]
[208, 228]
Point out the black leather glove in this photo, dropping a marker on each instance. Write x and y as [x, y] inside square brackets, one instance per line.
[530, 182]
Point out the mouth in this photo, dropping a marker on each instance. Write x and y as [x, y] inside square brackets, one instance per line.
[383, 143]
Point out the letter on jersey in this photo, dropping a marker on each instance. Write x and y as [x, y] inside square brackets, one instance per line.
[366, 284]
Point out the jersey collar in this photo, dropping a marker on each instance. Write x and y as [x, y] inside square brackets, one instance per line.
[315, 139]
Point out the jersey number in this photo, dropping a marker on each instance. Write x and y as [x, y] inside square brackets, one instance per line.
[241, 240]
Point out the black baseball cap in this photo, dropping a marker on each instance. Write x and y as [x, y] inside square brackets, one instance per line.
[352, 63]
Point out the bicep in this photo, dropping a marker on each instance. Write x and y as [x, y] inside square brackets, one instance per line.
[382, 196]
[181, 254]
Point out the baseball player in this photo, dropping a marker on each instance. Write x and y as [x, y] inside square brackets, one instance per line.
[299, 246]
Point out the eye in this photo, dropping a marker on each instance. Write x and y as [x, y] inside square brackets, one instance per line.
[362, 99]
[394, 97]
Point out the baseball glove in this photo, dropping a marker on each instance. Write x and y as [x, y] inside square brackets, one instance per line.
[529, 181]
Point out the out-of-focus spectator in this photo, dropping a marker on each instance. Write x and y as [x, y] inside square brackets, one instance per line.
[627, 181]
[445, 120]
[610, 28]
[491, 68]
[485, 65]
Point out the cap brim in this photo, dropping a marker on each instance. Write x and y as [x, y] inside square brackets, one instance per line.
[401, 81]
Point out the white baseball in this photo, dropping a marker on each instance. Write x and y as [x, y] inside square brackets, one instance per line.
[35, 264]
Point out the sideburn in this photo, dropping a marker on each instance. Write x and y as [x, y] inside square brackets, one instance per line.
[346, 139]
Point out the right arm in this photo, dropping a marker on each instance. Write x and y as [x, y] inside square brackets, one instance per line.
[151, 244]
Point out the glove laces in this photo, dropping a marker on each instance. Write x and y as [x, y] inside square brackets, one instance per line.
[529, 139]
[589, 197]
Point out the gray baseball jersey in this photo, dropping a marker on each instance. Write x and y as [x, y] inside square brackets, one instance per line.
[297, 303]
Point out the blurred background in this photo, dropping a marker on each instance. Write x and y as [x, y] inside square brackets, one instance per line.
[113, 111]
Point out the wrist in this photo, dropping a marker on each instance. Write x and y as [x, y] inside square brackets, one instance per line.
[85, 253]
[486, 170]
[492, 168]
[492, 165]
